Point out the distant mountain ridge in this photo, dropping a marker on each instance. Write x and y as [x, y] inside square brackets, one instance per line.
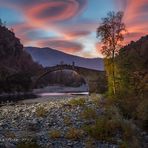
[50, 57]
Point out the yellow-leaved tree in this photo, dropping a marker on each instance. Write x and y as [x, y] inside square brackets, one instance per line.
[110, 33]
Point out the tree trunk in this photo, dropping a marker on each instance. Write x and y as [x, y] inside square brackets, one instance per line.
[113, 73]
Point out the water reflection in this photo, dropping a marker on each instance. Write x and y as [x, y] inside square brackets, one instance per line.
[62, 94]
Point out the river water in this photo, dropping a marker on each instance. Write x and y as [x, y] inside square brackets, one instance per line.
[52, 93]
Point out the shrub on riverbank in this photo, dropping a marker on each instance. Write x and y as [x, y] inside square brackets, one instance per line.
[89, 113]
[131, 85]
[77, 102]
[28, 144]
[110, 125]
[55, 134]
[74, 133]
[41, 111]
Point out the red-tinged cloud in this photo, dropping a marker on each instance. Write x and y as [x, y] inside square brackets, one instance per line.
[45, 18]
[78, 29]
[23, 27]
[135, 9]
[45, 15]
[21, 31]
[42, 12]
[83, 25]
[63, 45]
[52, 11]
[76, 34]
[135, 18]
[133, 36]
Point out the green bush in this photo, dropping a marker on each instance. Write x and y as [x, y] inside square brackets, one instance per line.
[103, 129]
[96, 99]
[123, 145]
[55, 134]
[89, 113]
[77, 102]
[41, 111]
[142, 113]
[28, 144]
[74, 133]
[67, 120]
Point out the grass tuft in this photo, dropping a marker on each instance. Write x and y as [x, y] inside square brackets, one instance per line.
[102, 129]
[89, 113]
[28, 144]
[77, 102]
[55, 134]
[41, 111]
[74, 134]
[67, 120]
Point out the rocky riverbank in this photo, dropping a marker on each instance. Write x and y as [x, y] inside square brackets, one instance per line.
[70, 122]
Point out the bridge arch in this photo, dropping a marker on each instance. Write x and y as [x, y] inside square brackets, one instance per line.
[94, 79]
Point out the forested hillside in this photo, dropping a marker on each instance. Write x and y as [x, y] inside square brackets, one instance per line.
[131, 73]
[16, 65]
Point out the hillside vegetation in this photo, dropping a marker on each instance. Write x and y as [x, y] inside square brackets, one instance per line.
[131, 71]
[16, 65]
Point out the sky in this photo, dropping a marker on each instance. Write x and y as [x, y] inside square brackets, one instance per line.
[70, 25]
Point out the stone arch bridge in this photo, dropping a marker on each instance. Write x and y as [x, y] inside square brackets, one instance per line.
[95, 79]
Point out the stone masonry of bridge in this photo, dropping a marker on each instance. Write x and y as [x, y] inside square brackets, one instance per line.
[95, 79]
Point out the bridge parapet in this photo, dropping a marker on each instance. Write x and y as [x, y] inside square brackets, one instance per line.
[60, 67]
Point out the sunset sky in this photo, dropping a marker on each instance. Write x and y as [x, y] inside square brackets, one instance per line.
[70, 25]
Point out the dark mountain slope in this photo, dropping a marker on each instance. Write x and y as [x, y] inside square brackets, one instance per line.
[16, 65]
[132, 63]
[49, 57]
[12, 55]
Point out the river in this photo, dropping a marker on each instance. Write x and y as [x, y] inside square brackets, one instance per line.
[47, 93]
[56, 93]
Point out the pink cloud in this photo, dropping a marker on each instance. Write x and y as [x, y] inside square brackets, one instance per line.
[63, 45]
[45, 15]
[135, 18]
[53, 11]
[42, 12]
[75, 34]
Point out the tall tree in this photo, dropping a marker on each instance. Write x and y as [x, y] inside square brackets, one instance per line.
[110, 32]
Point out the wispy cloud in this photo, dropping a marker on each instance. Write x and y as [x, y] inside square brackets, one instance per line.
[136, 18]
[63, 45]
[68, 25]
